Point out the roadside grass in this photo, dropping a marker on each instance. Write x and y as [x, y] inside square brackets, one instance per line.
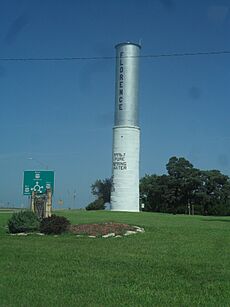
[178, 261]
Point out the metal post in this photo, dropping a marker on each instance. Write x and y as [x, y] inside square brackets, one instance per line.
[189, 208]
[48, 204]
[192, 209]
[33, 202]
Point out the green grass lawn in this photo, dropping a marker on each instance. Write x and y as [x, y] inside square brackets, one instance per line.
[178, 261]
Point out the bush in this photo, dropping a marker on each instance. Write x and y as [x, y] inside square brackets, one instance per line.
[97, 204]
[23, 221]
[54, 225]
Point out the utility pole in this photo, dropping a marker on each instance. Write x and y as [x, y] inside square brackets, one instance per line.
[74, 198]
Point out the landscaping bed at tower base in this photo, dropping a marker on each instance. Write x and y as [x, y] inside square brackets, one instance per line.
[109, 229]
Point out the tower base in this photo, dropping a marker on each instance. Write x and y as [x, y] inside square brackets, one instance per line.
[125, 175]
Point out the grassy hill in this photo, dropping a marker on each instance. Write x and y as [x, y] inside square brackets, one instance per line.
[178, 261]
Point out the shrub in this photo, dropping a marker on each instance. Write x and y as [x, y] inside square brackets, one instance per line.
[97, 204]
[54, 225]
[23, 221]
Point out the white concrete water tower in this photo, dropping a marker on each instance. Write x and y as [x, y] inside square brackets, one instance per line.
[126, 131]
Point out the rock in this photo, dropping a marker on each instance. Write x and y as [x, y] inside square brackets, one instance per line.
[112, 234]
[92, 236]
[140, 230]
[118, 236]
[130, 232]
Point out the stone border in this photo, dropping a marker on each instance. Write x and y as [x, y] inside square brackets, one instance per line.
[27, 233]
[112, 234]
[108, 235]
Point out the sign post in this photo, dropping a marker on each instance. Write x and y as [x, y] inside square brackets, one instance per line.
[39, 184]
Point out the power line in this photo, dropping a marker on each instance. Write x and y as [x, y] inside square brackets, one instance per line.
[186, 54]
[148, 56]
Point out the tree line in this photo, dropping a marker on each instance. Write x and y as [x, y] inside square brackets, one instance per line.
[208, 191]
[184, 187]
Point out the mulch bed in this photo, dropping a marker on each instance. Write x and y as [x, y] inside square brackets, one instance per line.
[101, 229]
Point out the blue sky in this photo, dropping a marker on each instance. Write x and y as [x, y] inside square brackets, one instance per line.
[60, 114]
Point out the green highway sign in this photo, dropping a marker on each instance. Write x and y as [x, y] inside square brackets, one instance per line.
[38, 181]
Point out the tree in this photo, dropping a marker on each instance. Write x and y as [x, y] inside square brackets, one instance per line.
[214, 193]
[184, 183]
[208, 191]
[156, 194]
[97, 204]
[148, 192]
[102, 190]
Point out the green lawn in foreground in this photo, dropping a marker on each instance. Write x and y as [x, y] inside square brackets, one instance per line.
[179, 261]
